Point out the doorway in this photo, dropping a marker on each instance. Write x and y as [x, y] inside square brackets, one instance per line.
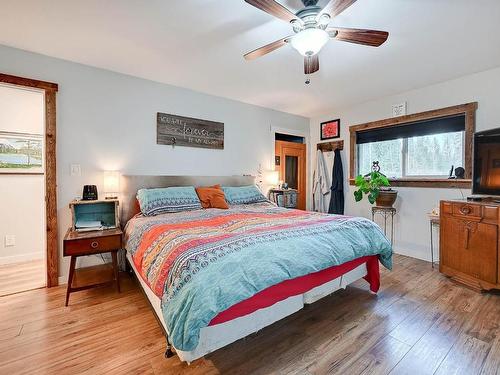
[22, 189]
[28, 224]
[291, 162]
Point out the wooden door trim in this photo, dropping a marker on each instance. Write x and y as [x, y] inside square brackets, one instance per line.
[50, 90]
[302, 177]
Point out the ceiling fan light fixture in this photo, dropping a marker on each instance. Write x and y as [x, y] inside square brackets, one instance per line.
[309, 41]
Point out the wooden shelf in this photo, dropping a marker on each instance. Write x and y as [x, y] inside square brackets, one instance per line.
[330, 146]
[91, 276]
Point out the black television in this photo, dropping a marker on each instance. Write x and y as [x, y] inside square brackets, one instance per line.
[486, 170]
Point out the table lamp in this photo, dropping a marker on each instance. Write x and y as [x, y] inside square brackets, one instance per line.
[111, 184]
[273, 178]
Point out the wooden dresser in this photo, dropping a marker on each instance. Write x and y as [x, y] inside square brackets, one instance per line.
[469, 243]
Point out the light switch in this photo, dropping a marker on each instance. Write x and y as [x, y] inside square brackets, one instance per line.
[76, 170]
[10, 240]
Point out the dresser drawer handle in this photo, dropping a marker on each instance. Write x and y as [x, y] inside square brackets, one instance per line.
[465, 210]
[94, 244]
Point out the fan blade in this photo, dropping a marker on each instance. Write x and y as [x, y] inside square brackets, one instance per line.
[335, 7]
[372, 38]
[273, 8]
[267, 48]
[311, 64]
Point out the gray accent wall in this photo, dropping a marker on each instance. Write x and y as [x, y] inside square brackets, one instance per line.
[107, 121]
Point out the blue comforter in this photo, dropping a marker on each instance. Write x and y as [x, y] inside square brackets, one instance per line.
[202, 262]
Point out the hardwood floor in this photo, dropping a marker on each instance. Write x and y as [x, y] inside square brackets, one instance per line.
[19, 277]
[419, 323]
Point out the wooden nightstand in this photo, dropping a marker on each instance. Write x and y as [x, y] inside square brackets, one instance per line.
[284, 197]
[78, 244]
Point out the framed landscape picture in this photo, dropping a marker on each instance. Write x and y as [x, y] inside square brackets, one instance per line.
[21, 153]
[330, 129]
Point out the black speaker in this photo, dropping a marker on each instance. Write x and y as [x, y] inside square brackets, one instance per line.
[89, 193]
[459, 172]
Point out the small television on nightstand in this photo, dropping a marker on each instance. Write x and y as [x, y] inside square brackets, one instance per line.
[486, 169]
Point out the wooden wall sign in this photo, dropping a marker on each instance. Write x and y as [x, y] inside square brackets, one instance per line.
[186, 131]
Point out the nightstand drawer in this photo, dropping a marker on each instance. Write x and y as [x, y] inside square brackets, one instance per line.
[94, 245]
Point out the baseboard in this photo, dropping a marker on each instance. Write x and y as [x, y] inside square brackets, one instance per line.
[63, 280]
[422, 255]
[20, 258]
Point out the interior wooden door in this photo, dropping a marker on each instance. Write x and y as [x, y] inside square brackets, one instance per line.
[292, 168]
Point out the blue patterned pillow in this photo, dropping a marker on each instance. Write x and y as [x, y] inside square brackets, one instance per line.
[171, 199]
[243, 194]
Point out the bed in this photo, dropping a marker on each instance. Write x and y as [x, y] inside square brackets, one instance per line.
[215, 276]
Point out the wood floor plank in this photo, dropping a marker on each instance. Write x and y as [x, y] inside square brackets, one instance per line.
[492, 362]
[467, 356]
[418, 323]
[22, 276]
[381, 358]
[425, 316]
[428, 353]
[485, 325]
[361, 338]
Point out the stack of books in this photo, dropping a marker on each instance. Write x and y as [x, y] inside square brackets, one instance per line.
[88, 225]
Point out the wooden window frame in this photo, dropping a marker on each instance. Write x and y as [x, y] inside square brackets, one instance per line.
[468, 109]
[50, 90]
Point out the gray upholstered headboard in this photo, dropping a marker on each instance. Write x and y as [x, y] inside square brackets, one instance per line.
[129, 185]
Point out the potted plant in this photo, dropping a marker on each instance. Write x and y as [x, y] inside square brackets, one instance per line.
[377, 188]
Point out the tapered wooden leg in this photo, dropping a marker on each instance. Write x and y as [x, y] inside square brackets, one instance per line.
[114, 257]
[70, 277]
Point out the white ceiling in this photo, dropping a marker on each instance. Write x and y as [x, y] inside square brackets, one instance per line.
[199, 44]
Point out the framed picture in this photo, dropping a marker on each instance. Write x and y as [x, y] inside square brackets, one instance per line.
[330, 129]
[21, 153]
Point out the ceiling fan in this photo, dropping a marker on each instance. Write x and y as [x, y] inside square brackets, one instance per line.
[312, 31]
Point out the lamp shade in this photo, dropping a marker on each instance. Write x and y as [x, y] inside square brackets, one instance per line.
[111, 182]
[273, 178]
[310, 41]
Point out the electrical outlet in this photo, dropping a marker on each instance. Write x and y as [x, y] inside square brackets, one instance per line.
[76, 170]
[10, 240]
[399, 109]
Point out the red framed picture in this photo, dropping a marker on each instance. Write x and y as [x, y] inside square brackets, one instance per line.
[330, 129]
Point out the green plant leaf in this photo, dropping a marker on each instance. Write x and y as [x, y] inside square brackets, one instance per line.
[358, 195]
[359, 180]
[371, 199]
[370, 186]
[385, 181]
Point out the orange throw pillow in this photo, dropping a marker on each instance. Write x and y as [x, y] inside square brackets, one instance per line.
[212, 197]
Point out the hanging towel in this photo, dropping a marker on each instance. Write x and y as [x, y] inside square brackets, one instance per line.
[321, 183]
[337, 196]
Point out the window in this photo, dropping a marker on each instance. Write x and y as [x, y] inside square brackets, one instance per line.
[421, 156]
[388, 153]
[433, 155]
[418, 149]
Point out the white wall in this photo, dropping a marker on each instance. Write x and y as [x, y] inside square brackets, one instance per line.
[22, 196]
[412, 225]
[107, 120]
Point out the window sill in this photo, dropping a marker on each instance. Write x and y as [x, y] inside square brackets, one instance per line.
[428, 183]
